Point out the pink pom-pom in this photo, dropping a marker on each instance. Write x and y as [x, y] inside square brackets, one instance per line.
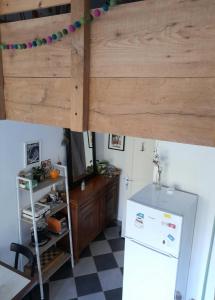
[49, 39]
[72, 28]
[10, 46]
[97, 12]
[29, 45]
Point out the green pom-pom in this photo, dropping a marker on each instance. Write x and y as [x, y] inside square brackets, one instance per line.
[113, 2]
[82, 21]
[59, 35]
[65, 31]
[1, 46]
[39, 42]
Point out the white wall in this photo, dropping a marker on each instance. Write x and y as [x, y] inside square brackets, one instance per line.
[192, 168]
[12, 137]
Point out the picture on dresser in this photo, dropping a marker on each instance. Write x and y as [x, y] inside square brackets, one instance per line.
[32, 153]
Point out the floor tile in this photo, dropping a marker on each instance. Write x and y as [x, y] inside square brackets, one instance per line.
[100, 247]
[112, 232]
[85, 266]
[35, 293]
[114, 294]
[110, 279]
[64, 272]
[62, 289]
[117, 244]
[86, 252]
[119, 257]
[113, 224]
[105, 262]
[100, 237]
[87, 284]
[97, 296]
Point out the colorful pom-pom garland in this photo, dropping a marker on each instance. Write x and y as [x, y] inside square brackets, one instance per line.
[57, 36]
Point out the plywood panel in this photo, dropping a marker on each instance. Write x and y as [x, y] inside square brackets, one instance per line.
[155, 39]
[80, 62]
[175, 109]
[13, 6]
[39, 100]
[45, 61]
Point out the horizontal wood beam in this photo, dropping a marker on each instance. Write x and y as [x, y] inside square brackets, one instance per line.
[155, 39]
[172, 109]
[52, 61]
[38, 100]
[15, 6]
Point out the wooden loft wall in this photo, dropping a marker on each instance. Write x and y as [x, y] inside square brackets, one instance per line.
[47, 85]
[153, 71]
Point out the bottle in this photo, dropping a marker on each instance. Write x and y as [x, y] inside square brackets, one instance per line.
[83, 185]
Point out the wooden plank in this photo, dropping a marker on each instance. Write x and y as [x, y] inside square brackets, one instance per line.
[51, 61]
[155, 39]
[2, 100]
[175, 109]
[80, 62]
[14, 6]
[38, 100]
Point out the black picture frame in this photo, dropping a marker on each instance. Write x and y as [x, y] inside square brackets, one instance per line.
[72, 184]
[116, 146]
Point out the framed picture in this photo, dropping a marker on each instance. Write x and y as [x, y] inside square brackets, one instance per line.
[32, 153]
[116, 142]
[90, 139]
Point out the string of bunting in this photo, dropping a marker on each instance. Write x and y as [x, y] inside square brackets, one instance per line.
[57, 36]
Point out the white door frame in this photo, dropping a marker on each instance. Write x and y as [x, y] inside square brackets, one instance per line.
[209, 282]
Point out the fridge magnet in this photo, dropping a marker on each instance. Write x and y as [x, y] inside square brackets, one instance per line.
[116, 142]
[32, 153]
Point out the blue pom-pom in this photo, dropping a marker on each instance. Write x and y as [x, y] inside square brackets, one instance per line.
[77, 24]
[54, 36]
[105, 7]
[34, 44]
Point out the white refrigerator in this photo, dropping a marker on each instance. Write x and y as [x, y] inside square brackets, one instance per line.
[158, 244]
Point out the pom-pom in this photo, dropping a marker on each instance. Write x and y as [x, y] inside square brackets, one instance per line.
[97, 12]
[71, 28]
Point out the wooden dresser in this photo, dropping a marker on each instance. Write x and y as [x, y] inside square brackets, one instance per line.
[92, 210]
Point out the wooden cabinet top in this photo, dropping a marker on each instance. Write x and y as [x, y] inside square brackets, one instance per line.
[93, 186]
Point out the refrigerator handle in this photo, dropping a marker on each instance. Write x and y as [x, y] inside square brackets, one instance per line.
[150, 248]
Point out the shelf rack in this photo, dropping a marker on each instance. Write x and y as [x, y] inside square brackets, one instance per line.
[38, 251]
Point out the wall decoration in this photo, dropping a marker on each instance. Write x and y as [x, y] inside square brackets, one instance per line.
[116, 142]
[32, 153]
[59, 35]
[90, 139]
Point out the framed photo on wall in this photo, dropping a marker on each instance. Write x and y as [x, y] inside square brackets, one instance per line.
[32, 153]
[116, 142]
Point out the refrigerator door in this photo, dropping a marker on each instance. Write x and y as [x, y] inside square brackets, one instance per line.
[157, 229]
[148, 275]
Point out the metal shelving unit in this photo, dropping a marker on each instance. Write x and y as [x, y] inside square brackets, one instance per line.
[43, 275]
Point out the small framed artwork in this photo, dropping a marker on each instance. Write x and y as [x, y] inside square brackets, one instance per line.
[32, 153]
[116, 142]
[90, 139]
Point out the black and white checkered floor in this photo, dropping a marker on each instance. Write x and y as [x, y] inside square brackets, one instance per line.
[98, 274]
